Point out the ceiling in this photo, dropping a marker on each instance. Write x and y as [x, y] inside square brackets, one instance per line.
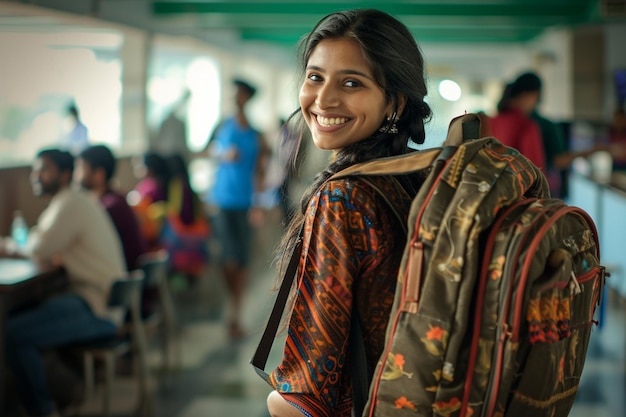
[282, 22]
[431, 21]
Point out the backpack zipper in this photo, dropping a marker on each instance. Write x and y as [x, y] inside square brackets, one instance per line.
[479, 301]
[532, 248]
[415, 246]
[505, 331]
[514, 332]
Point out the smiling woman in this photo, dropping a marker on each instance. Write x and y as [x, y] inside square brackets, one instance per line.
[362, 96]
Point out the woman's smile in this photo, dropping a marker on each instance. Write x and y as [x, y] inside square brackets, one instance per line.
[331, 123]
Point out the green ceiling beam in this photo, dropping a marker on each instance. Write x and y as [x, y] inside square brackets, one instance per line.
[284, 22]
[251, 21]
[472, 35]
[571, 8]
[440, 30]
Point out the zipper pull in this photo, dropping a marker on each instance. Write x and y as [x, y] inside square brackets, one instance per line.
[413, 278]
[574, 286]
[603, 276]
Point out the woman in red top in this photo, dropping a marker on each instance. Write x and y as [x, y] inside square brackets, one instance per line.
[362, 96]
[513, 126]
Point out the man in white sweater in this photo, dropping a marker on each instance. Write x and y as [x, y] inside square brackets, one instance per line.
[76, 232]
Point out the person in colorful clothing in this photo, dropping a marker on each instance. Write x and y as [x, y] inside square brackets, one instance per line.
[186, 229]
[362, 96]
[149, 197]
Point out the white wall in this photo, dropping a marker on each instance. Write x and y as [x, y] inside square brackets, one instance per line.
[134, 56]
[551, 56]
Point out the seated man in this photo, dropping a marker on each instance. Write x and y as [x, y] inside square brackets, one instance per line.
[95, 167]
[74, 231]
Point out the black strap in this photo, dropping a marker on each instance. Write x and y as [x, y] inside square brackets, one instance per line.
[358, 366]
[471, 128]
[259, 359]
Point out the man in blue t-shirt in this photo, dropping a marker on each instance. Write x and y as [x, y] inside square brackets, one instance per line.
[242, 156]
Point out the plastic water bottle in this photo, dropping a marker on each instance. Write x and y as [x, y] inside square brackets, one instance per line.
[19, 229]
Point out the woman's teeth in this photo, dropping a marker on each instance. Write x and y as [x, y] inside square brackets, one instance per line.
[331, 121]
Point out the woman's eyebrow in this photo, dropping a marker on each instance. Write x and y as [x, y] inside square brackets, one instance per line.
[345, 71]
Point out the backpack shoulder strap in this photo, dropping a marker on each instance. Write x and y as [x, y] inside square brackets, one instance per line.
[462, 129]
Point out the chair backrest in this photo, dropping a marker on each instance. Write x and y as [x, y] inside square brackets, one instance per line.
[126, 290]
[155, 267]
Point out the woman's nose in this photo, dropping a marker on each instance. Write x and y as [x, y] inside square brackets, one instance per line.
[327, 96]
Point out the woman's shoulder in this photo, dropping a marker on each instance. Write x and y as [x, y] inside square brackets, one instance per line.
[350, 186]
[360, 191]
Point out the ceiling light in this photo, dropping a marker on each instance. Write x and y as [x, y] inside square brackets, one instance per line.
[449, 90]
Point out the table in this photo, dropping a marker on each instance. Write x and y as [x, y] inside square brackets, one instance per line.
[22, 281]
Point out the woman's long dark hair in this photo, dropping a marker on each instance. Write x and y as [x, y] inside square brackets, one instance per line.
[398, 67]
[525, 83]
[177, 167]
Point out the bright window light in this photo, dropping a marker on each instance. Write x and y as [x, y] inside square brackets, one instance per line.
[42, 74]
[164, 91]
[203, 81]
[449, 90]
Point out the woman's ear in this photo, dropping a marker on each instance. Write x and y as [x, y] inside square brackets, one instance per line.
[401, 104]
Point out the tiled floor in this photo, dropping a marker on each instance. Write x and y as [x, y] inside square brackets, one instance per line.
[216, 379]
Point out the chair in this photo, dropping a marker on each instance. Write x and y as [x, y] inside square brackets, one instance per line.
[131, 337]
[155, 266]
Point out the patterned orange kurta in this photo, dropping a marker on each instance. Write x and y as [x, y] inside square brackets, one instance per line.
[352, 250]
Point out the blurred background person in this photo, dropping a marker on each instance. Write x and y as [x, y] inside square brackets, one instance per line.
[558, 157]
[186, 228]
[242, 157]
[95, 168]
[148, 198]
[75, 232]
[552, 136]
[513, 126]
[171, 138]
[77, 138]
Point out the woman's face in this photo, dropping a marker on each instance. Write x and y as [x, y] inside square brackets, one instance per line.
[341, 101]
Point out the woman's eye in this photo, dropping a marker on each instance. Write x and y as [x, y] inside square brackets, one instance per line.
[314, 77]
[352, 83]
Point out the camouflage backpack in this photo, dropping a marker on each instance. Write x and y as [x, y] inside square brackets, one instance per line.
[496, 292]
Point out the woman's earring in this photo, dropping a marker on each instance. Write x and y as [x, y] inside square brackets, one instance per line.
[390, 126]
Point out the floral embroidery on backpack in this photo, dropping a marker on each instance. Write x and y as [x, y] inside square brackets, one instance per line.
[394, 368]
[436, 340]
